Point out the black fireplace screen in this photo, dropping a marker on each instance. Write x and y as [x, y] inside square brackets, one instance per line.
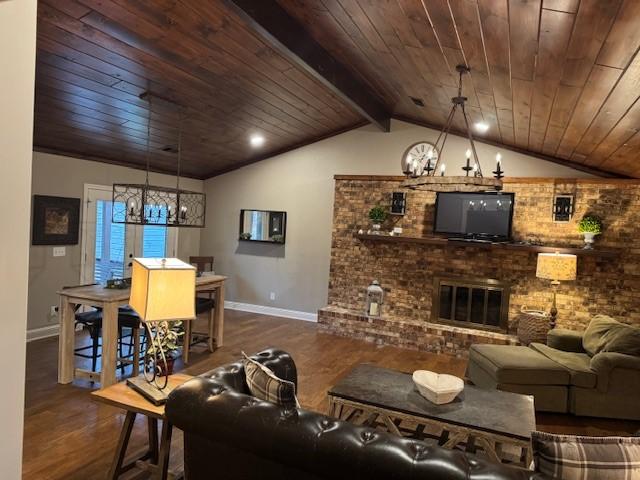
[476, 303]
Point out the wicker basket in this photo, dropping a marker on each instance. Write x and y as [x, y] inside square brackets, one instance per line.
[533, 326]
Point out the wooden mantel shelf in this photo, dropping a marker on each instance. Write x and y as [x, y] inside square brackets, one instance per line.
[596, 252]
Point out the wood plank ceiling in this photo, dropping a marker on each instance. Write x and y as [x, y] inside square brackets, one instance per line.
[555, 77]
[558, 78]
[95, 57]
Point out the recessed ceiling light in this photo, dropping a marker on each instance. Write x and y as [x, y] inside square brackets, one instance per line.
[256, 140]
[482, 127]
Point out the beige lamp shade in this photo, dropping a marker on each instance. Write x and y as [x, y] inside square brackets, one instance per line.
[556, 266]
[163, 289]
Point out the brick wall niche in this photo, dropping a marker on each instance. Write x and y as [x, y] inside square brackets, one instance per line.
[605, 284]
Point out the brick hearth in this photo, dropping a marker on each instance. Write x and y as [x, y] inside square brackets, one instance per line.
[415, 334]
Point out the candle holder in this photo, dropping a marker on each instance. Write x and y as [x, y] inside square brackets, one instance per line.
[428, 167]
[498, 172]
[467, 168]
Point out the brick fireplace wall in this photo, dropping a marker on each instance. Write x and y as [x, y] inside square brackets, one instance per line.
[604, 285]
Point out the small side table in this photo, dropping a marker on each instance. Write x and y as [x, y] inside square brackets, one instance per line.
[156, 457]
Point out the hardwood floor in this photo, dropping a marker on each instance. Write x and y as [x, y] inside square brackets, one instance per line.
[68, 436]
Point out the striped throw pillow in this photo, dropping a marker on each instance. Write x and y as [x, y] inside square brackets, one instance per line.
[570, 457]
[265, 385]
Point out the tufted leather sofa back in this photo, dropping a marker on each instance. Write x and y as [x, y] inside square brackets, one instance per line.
[231, 435]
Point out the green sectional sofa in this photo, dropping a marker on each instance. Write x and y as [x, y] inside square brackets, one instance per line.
[592, 373]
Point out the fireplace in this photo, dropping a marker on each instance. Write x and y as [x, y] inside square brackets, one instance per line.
[471, 302]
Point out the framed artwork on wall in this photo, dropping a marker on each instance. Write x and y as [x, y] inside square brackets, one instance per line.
[55, 220]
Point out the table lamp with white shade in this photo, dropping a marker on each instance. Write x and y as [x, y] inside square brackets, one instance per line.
[162, 290]
[556, 267]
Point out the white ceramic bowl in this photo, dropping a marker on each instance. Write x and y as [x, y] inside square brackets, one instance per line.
[437, 388]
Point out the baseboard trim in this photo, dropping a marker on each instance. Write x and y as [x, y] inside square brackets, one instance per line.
[273, 311]
[43, 332]
[54, 330]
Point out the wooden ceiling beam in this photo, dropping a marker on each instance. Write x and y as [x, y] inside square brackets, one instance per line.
[290, 38]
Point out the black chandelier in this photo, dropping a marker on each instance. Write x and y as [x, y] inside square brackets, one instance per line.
[432, 175]
[144, 204]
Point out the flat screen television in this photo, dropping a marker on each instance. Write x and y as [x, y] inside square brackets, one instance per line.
[485, 215]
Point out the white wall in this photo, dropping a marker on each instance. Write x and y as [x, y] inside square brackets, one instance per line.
[65, 177]
[17, 74]
[301, 183]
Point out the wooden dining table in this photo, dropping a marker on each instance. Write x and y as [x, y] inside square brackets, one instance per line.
[109, 300]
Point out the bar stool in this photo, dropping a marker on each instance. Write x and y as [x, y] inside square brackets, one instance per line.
[127, 320]
[203, 305]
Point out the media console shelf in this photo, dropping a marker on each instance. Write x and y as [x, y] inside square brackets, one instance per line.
[443, 242]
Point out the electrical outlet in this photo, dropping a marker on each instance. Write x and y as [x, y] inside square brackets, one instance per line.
[53, 310]
[272, 295]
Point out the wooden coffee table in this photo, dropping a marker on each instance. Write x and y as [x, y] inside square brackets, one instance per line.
[153, 458]
[500, 423]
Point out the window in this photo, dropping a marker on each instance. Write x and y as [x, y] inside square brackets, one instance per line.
[110, 244]
[154, 237]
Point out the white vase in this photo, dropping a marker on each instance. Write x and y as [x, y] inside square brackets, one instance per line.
[588, 240]
[376, 228]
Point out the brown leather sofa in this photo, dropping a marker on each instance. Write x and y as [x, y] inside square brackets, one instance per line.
[230, 435]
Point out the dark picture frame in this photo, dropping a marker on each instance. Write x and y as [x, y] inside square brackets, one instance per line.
[55, 220]
[398, 203]
[562, 208]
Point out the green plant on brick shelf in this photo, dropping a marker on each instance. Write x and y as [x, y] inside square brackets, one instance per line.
[377, 214]
[590, 224]
[589, 227]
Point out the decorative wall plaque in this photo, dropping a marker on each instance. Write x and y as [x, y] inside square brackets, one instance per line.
[562, 208]
[398, 203]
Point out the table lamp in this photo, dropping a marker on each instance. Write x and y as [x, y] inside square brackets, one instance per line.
[162, 290]
[556, 267]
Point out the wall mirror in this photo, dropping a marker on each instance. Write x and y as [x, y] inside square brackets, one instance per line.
[263, 226]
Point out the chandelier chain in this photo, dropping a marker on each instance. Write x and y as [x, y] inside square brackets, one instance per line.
[148, 159]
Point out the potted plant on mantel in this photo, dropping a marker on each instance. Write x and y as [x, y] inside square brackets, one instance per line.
[167, 337]
[377, 215]
[590, 226]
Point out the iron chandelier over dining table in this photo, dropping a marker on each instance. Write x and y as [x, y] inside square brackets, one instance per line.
[145, 204]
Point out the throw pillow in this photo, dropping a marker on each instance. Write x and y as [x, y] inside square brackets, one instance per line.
[569, 457]
[265, 385]
[622, 338]
[593, 339]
